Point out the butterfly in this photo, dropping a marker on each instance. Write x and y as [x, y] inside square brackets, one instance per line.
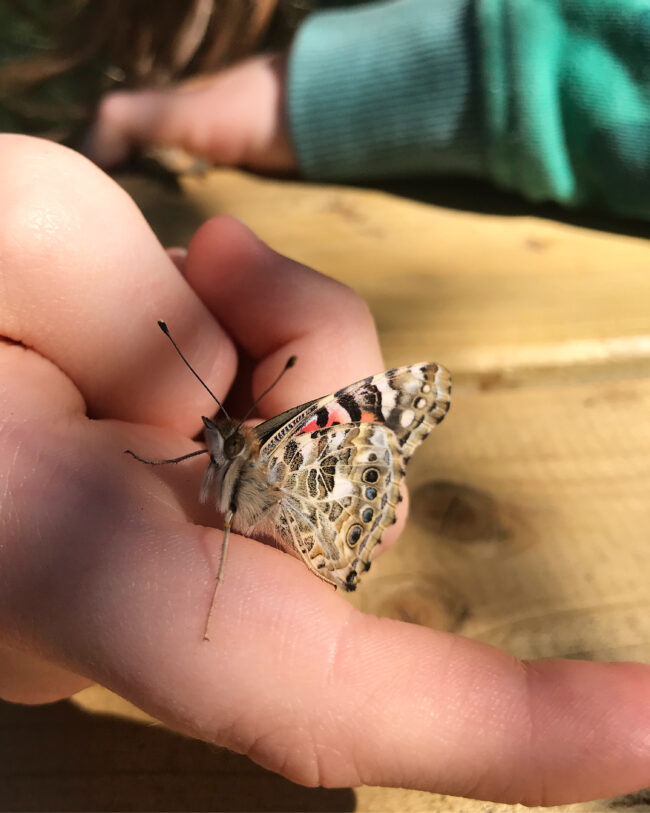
[323, 478]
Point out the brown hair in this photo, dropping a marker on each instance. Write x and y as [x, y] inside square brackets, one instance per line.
[136, 43]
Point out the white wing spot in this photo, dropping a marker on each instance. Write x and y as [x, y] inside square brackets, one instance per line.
[426, 388]
[342, 488]
[388, 396]
[419, 403]
[406, 418]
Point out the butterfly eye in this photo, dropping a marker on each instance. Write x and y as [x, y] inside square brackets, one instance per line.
[354, 535]
[233, 445]
[371, 475]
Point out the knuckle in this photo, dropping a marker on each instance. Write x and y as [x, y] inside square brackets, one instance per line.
[352, 305]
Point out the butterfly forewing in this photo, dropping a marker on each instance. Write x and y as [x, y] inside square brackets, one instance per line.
[421, 391]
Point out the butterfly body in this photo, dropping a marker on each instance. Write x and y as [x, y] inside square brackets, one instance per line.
[323, 479]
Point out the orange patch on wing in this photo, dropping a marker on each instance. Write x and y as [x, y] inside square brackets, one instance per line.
[333, 417]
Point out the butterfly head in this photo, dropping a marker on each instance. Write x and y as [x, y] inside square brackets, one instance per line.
[225, 441]
[228, 449]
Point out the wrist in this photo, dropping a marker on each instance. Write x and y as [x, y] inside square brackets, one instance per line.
[271, 148]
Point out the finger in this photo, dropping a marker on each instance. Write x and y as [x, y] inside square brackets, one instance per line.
[84, 281]
[275, 307]
[233, 117]
[176, 117]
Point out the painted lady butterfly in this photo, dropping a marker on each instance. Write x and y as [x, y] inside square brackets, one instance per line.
[322, 478]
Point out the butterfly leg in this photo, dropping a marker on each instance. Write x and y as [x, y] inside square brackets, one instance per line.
[222, 565]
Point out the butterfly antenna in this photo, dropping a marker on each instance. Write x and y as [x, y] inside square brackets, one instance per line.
[290, 362]
[163, 326]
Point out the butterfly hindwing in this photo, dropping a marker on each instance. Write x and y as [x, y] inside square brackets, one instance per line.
[340, 487]
[339, 460]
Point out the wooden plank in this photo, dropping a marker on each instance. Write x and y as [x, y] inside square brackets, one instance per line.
[486, 294]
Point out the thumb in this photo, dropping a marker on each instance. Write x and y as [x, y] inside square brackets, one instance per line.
[233, 117]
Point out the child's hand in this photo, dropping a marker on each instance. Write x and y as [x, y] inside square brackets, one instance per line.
[106, 573]
[235, 117]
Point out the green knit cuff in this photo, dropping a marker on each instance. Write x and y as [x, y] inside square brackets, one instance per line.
[384, 90]
[567, 100]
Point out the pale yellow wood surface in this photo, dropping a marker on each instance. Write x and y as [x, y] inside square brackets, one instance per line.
[530, 522]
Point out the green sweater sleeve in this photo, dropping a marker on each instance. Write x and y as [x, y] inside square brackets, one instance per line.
[550, 98]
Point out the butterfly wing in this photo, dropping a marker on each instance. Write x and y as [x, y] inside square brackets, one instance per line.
[339, 461]
[339, 493]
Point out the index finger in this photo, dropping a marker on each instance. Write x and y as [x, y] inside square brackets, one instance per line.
[275, 307]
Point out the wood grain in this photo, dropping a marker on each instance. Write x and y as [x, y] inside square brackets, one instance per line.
[530, 520]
